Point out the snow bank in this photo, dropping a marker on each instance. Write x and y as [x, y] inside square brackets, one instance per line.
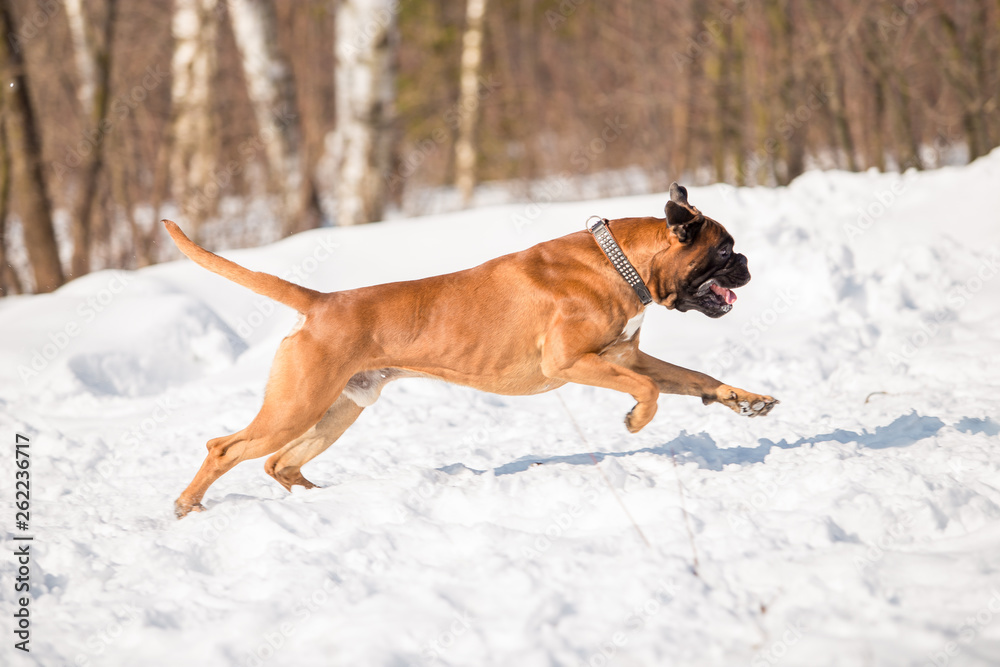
[858, 524]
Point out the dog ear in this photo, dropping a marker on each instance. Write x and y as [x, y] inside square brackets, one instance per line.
[682, 218]
[678, 193]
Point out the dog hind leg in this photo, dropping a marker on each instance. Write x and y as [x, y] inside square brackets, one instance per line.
[285, 465]
[362, 390]
[296, 398]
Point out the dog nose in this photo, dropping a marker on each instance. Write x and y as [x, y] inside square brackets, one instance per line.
[742, 263]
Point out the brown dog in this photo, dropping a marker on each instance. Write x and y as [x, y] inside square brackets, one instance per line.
[524, 323]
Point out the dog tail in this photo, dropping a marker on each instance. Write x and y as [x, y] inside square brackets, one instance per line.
[273, 287]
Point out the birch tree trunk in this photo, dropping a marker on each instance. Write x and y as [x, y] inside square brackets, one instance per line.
[960, 74]
[876, 82]
[192, 158]
[737, 76]
[472, 58]
[272, 93]
[792, 150]
[684, 158]
[93, 64]
[84, 53]
[833, 75]
[365, 90]
[715, 71]
[116, 170]
[27, 176]
[9, 282]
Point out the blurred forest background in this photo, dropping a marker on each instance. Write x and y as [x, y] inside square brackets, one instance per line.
[248, 120]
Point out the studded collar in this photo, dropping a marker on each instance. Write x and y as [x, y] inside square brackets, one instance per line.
[606, 240]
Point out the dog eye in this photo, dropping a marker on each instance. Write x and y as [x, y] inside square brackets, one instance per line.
[724, 252]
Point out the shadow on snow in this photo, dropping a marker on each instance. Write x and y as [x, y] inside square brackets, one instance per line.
[703, 450]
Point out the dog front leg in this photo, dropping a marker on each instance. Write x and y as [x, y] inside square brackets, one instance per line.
[673, 379]
[590, 369]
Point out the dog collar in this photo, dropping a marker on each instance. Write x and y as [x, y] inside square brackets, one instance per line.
[606, 240]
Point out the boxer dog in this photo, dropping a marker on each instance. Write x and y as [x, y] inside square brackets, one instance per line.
[566, 310]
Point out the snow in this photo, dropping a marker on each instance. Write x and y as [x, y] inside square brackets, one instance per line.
[859, 523]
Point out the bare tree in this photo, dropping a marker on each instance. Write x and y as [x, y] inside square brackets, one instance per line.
[365, 83]
[834, 77]
[472, 58]
[965, 74]
[683, 158]
[84, 53]
[27, 175]
[9, 281]
[93, 63]
[193, 154]
[781, 32]
[716, 70]
[272, 94]
[875, 146]
[696, 84]
[116, 171]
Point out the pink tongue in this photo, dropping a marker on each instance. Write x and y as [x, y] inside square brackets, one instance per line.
[727, 294]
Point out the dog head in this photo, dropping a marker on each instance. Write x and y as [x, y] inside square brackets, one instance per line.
[699, 269]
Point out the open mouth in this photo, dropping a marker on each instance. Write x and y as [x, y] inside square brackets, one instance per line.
[724, 293]
[723, 297]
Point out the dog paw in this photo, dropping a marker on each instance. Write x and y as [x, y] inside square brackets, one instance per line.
[746, 403]
[181, 509]
[289, 477]
[639, 416]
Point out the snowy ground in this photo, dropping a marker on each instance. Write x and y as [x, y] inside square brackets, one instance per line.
[859, 524]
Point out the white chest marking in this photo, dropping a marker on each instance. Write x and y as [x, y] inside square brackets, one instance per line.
[633, 325]
[298, 325]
